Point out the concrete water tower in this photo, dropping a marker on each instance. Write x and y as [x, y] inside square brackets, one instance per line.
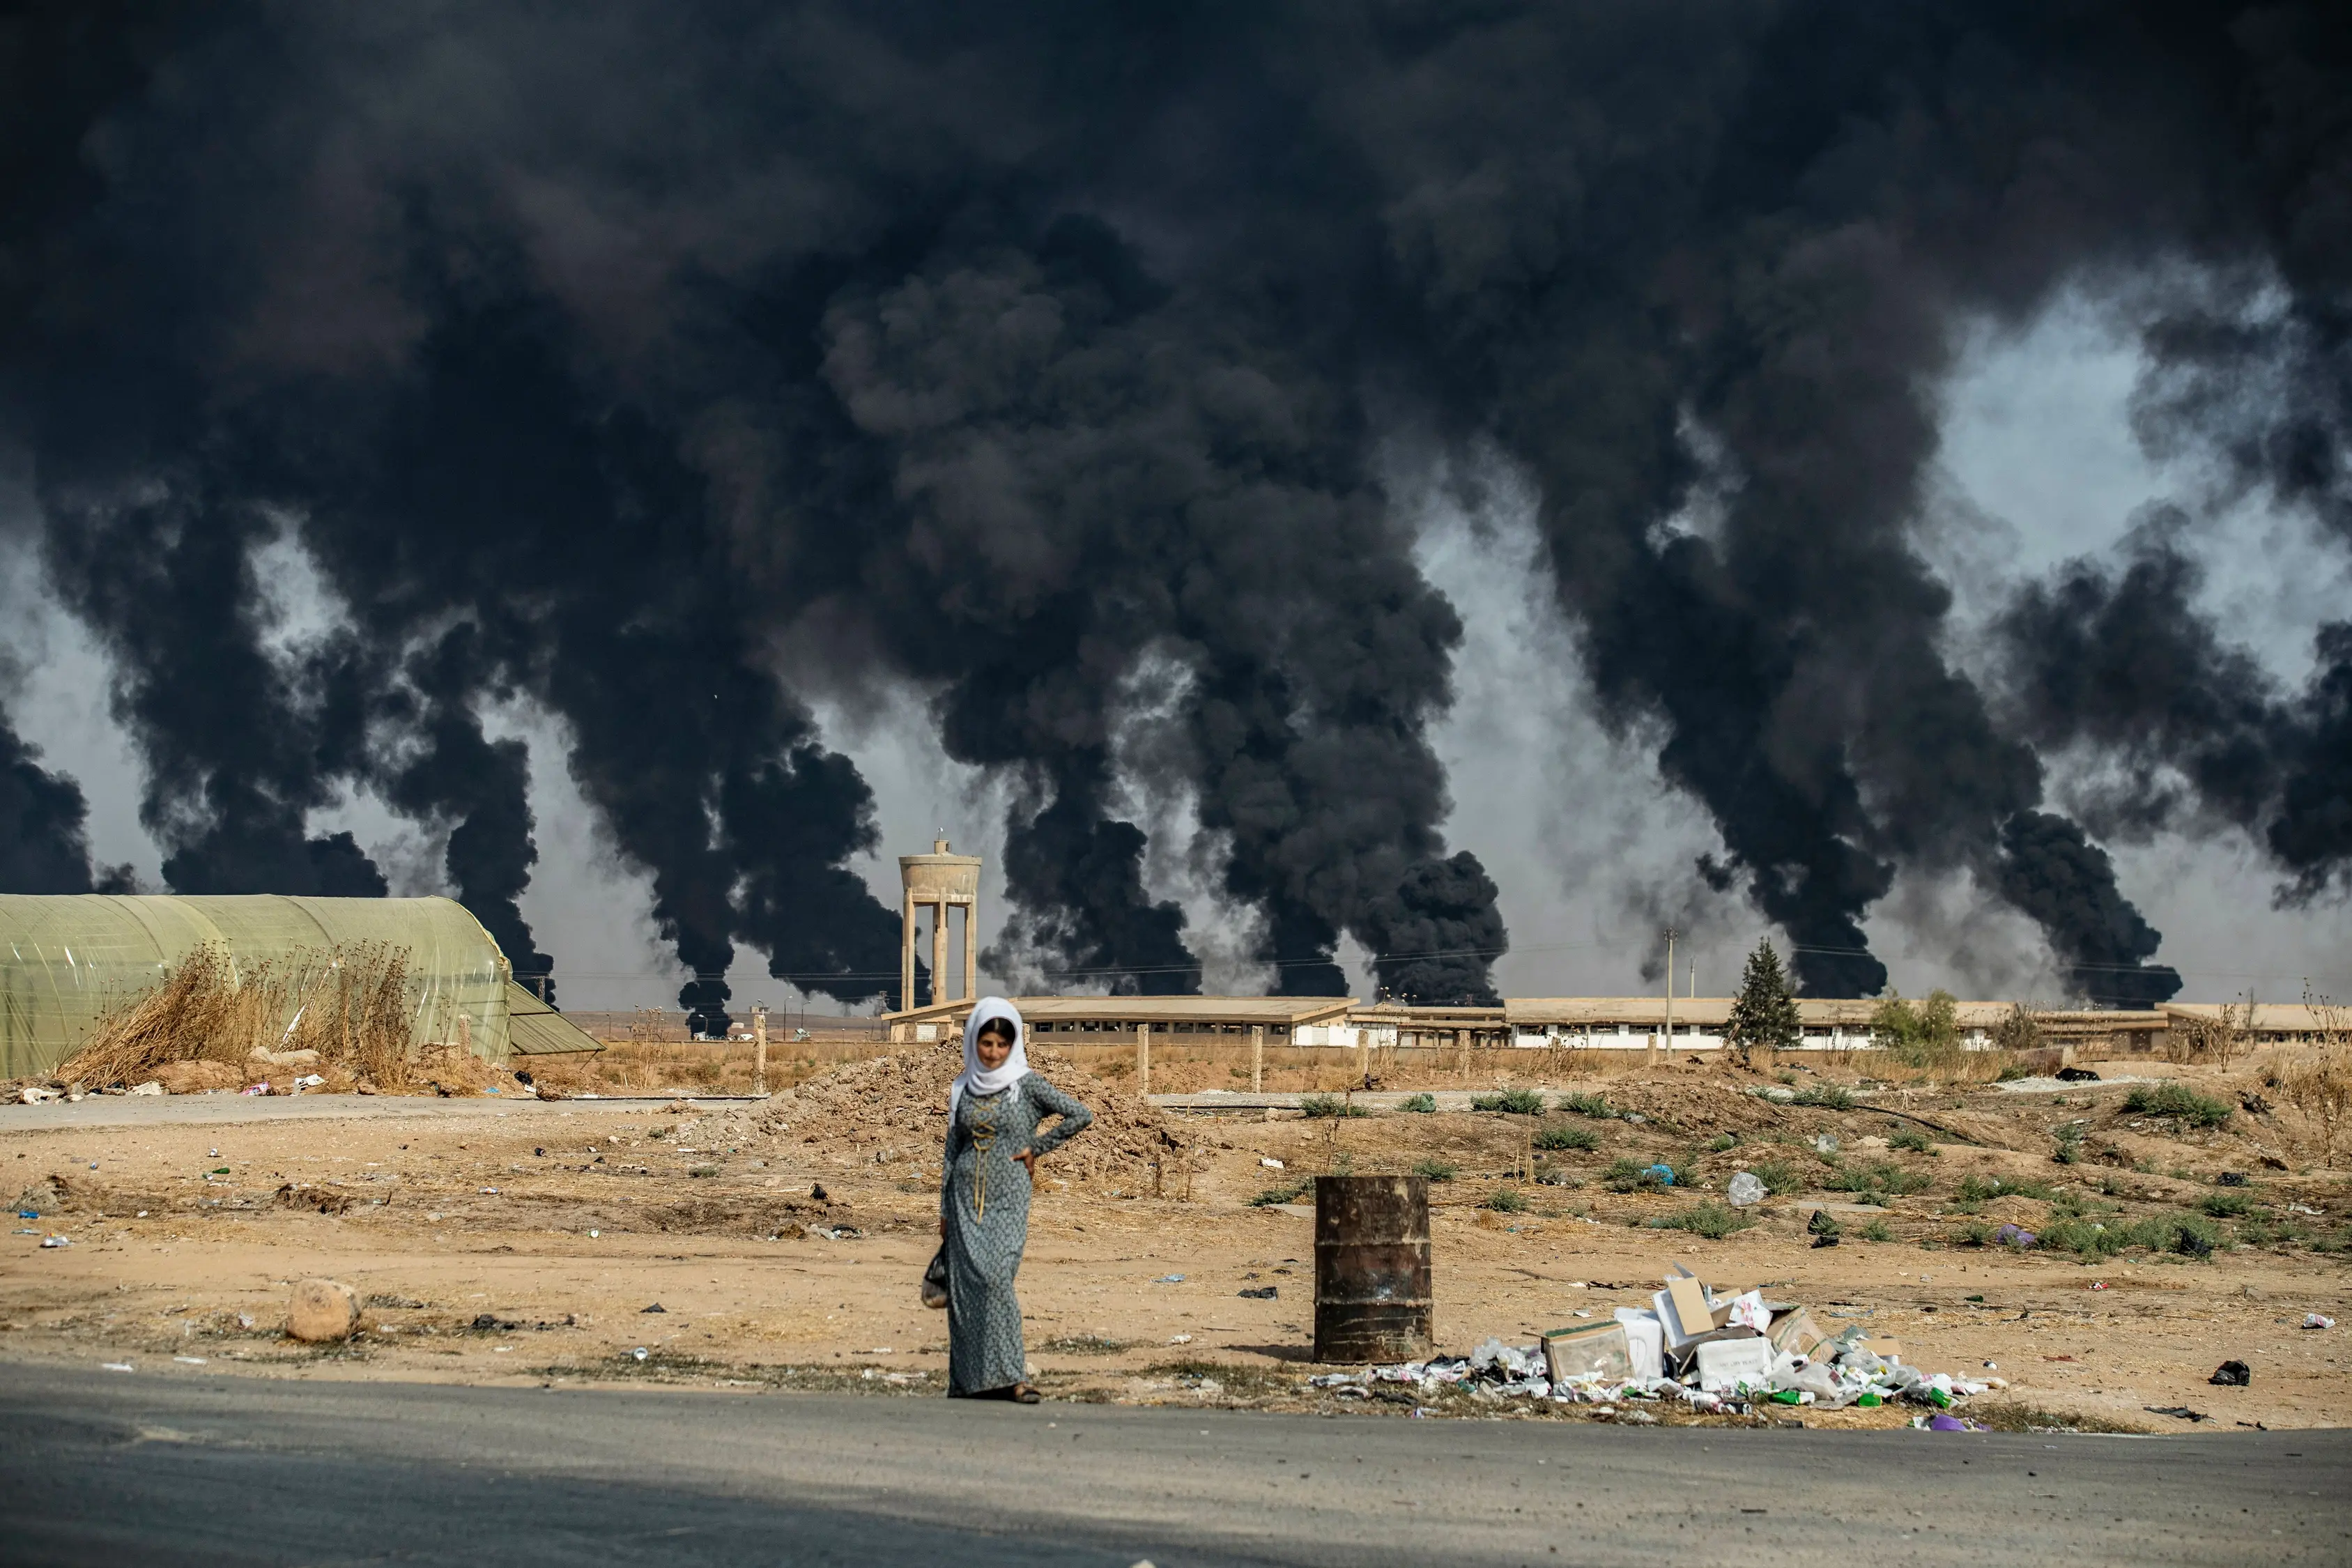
[944, 882]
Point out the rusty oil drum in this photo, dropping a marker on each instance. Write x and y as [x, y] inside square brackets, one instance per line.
[1371, 1269]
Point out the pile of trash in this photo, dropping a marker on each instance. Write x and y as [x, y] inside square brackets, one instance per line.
[1716, 1351]
[898, 1103]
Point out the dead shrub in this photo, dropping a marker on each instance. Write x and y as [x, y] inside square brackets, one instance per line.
[350, 1004]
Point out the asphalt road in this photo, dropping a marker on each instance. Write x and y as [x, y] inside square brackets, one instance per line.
[182, 1467]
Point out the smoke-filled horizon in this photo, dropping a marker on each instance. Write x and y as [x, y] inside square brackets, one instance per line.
[673, 370]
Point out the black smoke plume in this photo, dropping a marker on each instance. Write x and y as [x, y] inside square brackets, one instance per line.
[44, 834]
[663, 367]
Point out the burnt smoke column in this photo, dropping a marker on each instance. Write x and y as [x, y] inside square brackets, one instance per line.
[240, 744]
[2128, 663]
[1098, 469]
[1714, 335]
[44, 832]
[451, 774]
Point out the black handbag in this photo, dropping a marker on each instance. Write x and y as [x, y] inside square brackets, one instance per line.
[935, 1280]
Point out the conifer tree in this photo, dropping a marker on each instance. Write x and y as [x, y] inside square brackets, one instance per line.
[1764, 1014]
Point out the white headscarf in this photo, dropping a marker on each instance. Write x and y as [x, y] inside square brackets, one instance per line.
[977, 1079]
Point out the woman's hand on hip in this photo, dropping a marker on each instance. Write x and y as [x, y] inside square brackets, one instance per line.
[1028, 1157]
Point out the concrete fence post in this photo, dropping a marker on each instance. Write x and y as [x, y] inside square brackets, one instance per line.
[1143, 1058]
[1257, 1058]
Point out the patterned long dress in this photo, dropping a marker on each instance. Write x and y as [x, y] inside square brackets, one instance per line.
[984, 1201]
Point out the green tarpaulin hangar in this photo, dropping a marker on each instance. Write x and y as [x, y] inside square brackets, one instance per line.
[66, 959]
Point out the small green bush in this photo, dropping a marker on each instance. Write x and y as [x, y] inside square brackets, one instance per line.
[1877, 1230]
[1486, 1102]
[1976, 1189]
[2176, 1100]
[1282, 1195]
[1420, 1104]
[1508, 1200]
[1521, 1102]
[1722, 1141]
[1882, 1177]
[1913, 1139]
[2226, 1204]
[1315, 1107]
[1566, 1135]
[1780, 1177]
[1708, 1219]
[1436, 1170]
[1591, 1105]
[1827, 1096]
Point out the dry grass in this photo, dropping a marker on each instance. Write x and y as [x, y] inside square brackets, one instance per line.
[349, 1005]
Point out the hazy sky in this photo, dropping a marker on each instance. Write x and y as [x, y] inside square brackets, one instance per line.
[1593, 854]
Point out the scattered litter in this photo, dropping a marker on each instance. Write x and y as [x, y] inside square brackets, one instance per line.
[1663, 1172]
[2096, 1285]
[1263, 1294]
[1715, 1351]
[1746, 1189]
[2181, 1412]
[2306, 1208]
[1826, 1143]
[117, 1366]
[2232, 1374]
[151, 1087]
[189, 1360]
[312, 1080]
[2077, 1075]
[657, 1307]
[56, 1241]
[640, 1354]
[2317, 1320]
[1181, 1340]
[1170, 1279]
[1270, 1162]
[2016, 1236]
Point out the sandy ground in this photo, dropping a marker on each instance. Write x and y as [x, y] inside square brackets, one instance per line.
[768, 1245]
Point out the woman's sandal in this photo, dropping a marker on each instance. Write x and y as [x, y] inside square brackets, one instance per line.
[1022, 1394]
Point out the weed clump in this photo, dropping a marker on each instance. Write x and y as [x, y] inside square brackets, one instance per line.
[1708, 1219]
[1827, 1095]
[1419, 1104]
[1436, 1170]
[1507, 1200]
[1567, 1136]
[1289, 1192]
[1591, 1105]
[2176, 1100]
[1319, 1107]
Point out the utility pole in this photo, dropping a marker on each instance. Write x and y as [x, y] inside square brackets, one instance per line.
[1666, 1040]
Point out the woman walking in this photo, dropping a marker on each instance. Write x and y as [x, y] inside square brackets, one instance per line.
[993, 1144]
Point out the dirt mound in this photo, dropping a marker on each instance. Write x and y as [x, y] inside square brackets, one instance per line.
[199, 1076]
[901, 1101]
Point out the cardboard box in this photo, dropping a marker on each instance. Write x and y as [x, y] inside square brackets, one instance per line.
[1589, 1349]
[1889, 1349]
[1685, 1312]
[1725, 1364]
[1646, 1338]
[1795, 1332]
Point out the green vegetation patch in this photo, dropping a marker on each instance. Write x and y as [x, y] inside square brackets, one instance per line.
[2176, 1100]
[1707, 1218]
[1567, 1135]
